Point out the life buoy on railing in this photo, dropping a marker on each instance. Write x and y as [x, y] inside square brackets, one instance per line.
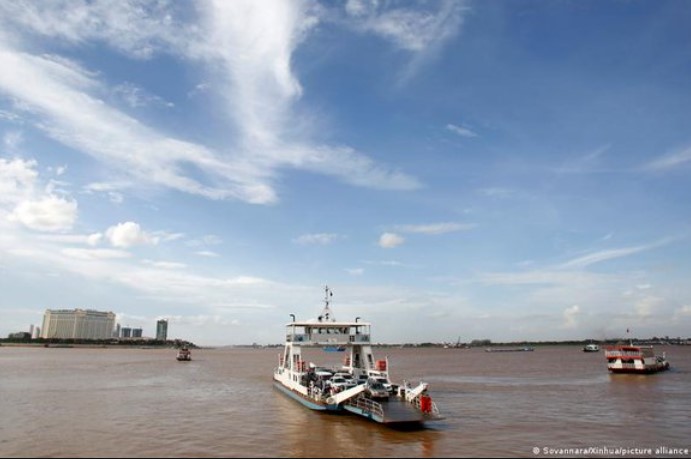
[381, 365]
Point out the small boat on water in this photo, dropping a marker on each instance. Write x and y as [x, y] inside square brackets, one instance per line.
[184, 354]
[630, 358]
[510, 349]
[591, 347]
[360, 386]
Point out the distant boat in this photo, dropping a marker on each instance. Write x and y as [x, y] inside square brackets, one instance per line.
[510, 349]
[184, 354]
[591, 347]
[630, 358]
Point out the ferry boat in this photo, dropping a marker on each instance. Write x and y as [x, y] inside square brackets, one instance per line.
[591, 347]
[510, 349]
[361, 386]
[630, 358]
[184, 354]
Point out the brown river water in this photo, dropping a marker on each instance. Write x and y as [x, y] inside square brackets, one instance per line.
[556, 402]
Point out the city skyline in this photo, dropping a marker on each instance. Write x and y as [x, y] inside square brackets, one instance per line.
[513, 171]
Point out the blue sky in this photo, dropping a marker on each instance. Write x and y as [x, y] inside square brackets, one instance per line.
[451, 169]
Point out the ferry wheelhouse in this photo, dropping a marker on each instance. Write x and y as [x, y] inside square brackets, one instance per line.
[360, 386]
[630, 358]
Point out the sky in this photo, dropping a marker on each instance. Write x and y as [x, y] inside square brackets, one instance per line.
[452, 170]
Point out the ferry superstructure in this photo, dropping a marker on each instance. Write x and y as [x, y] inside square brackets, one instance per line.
[367, 391]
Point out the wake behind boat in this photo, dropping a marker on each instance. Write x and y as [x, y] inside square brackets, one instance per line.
[360, 386]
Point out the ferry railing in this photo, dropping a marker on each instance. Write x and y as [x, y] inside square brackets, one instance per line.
[367, 405]
[434, 411]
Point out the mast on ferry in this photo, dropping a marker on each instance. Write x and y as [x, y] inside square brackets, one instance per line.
[327, 315]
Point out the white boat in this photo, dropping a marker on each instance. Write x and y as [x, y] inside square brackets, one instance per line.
[184, 354]
[370, 393]
[591, 347]
[630, 358]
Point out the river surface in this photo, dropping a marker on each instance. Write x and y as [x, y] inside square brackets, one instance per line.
[555, 401]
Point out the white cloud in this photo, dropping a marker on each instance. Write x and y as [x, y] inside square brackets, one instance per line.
[94, 239]
[51, 213]
[390, 240]
[12, 140]
[135, 29]
[207, 253]
[670, 161]
[355, 271]
[646, 306]
[410, 27]
[95, 254]
[247, 48]
[164, 264]
[17, 179]
[435, 228]
[129, 234]
[571, 315]
[206, 240]
[136, 97]
[461, 130]
[317, 238]
[496, 192]
[604, 255]
[684, 311]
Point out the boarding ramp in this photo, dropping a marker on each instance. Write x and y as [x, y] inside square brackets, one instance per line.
[412, 392]
[345, 395]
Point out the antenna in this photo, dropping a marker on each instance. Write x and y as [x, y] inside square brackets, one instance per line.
[327, 315]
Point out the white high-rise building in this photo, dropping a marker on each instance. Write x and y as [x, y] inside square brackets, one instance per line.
[77, 324]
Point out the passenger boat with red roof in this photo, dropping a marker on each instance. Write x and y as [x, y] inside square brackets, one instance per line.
[631, 358]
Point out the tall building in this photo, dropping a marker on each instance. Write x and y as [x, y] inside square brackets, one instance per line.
[162, 330]
[136, 333]
[77, 324]
[126, 332]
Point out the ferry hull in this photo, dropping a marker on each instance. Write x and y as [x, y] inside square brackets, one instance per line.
[640, 370]
[634, 372]
[311, 404]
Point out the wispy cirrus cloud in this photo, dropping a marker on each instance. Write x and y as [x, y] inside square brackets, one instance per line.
[54, 93]
[461, 130]
[669, 161]
[410, 25]
[420, 28]
[317, 238]
[435, 228]
[247, 49]
[610, 254]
